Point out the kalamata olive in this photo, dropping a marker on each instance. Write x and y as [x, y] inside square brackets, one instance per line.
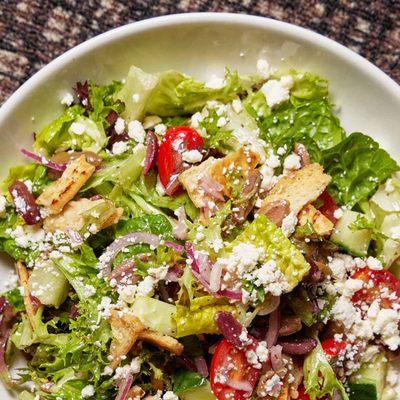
[64, 157]
[25, 203]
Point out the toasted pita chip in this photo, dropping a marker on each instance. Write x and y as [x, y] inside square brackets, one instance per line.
[234, 166]
[126, 329]
[64, 189]
[136, 392]
[299, 188]
[322, 225]
[162, 341]
[76, 214]
[30, 307]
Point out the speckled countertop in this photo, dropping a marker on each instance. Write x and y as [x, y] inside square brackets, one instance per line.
[33, 32]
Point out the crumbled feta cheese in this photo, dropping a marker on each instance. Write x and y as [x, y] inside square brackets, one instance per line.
[119, 147]
[276, 92]
[263, 68]
[389, 187]
[237, 105]
[292, 162]
[67, 99]
[222, 121]
[128, 369]
[338, 213]
[281, 150]
[77, 128]
[135, 97]
[160, 129]
[273, 160]
[87, 391]
[289, 224]
[136, 131]
[119, 126]
[170, 396]
[215, 82]
[160, 189]
[374, 263]
[192, 156]
[386, 325]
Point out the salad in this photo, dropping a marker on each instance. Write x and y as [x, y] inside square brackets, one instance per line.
[177, 239]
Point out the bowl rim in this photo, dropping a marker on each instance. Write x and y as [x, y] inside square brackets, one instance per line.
[115, 34]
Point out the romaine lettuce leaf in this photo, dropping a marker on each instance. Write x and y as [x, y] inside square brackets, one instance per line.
[185, 380]
[319, 377]
[263, 233]
[199, 317]
[357, 166]
[177, 94]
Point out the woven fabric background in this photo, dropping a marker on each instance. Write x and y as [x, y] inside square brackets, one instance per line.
[33, 32]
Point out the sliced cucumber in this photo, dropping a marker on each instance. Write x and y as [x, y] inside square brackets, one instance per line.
[355, 242]
[369, 381]
[200, 393]
[155, 314]
[48, 284]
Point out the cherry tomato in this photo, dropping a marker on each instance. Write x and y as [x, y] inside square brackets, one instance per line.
[169, 159]
[230, 364]
[378, 282]
[302, 393]
[328, 207]
[333, 347]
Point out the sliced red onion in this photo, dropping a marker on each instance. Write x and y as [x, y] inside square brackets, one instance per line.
[123, 387]
[74, 312]
[124, 274]
[232, 330]
[215, 277]
[177, 247]
[74, 236]
[115, 247]
[180, 230]
[172, 185]
[151, 152]
[276, 357]
[298, 346]
[42, 160]
[173, 274]
[211, 187]
[201, 366]
[194, 263]
[270, 306]
[7, 315]
[96, 197]
[273, 328]
[243, 386]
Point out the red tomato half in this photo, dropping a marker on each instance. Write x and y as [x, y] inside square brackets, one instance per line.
[377, 283]
[333, 347]
[302, 394]
[169, 159]
[328, 207]
[229, 369]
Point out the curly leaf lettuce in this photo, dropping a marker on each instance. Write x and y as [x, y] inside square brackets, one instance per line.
[357, 166]
[319, 377]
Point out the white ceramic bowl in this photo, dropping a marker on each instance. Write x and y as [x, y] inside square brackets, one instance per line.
[201, 44]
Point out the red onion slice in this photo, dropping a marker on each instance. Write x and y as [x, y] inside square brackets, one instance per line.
[273, 328]
[124, 273]
[123, 388]
[276, 357]
[181, 229]
[201, 366]
[177, 247]
[298, 346]
[151, 152]
[115, 247]
[211, 187]
[172, 185]
[74, 236]
[42, 160]
[232, 330]
[243, 386]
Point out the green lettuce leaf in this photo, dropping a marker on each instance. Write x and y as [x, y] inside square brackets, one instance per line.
[199, 317]
[263, 233]
[319, 377]
[185, 380]
[177, 94]
[15, 299]
[357, 166]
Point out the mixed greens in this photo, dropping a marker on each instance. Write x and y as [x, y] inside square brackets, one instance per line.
[177, 239]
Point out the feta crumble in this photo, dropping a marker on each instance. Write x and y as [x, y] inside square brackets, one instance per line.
[136, 131]
[119, 126]
[77, 128]
[67, 99]
[276, 92]
[192, 156]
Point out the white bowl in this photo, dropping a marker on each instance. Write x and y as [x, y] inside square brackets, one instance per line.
[201, 44]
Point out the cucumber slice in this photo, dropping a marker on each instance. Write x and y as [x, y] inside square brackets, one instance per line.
[369, 381]
[355, 242]
[155, 314]
[48, 284]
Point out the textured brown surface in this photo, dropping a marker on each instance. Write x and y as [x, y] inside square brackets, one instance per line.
[32, 32]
